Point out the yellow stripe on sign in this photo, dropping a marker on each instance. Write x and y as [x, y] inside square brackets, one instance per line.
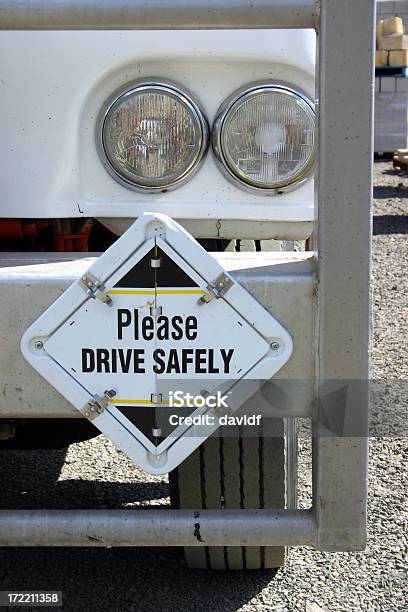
[186, 291]
[152, 292]
[131, 292]
[136, 402]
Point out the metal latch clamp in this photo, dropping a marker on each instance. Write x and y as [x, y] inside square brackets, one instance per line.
[94, 288]
[217, 289]
[95, 406]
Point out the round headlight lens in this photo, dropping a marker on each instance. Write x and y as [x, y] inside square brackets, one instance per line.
[265, 137]
[154, 136]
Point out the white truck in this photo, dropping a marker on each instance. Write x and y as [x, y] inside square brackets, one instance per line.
[129, 133]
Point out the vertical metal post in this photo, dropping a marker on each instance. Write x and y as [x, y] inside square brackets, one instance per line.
[344, 193]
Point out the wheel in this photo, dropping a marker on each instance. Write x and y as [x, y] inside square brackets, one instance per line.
[239, 471]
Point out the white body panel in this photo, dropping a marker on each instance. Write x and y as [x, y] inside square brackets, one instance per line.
[53, 85]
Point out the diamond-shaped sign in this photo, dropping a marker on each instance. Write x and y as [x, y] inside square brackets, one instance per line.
[154, 315]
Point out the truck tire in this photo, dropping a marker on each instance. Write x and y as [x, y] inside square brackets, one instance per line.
[239, 471]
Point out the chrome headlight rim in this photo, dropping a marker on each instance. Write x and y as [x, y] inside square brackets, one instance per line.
[247, 91]
[164, 86]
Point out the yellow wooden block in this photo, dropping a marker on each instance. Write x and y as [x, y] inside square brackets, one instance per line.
[380, 29]
[393, 26]
[381, 58]
[389, 43]
[398, 57]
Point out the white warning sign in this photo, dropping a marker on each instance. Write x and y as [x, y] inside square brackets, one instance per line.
[155, 314]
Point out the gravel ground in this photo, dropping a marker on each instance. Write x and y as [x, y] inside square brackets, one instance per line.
[95, 474]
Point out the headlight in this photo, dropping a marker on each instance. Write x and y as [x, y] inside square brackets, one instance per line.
[153, 136]
[264, 137]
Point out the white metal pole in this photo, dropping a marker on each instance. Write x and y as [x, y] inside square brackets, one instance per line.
[157, 14]
[156, 527]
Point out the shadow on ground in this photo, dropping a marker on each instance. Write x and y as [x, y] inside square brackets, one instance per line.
[390, 224]
[21, 490]
[387, 192]
[145, 579]
[134, 579]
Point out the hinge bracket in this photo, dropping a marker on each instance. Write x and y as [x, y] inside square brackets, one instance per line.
[94, 288]
[95, 406]
[217, 289]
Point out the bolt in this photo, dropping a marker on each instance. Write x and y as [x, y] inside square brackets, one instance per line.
[89, 283]
[275, 346]
[38, 345]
